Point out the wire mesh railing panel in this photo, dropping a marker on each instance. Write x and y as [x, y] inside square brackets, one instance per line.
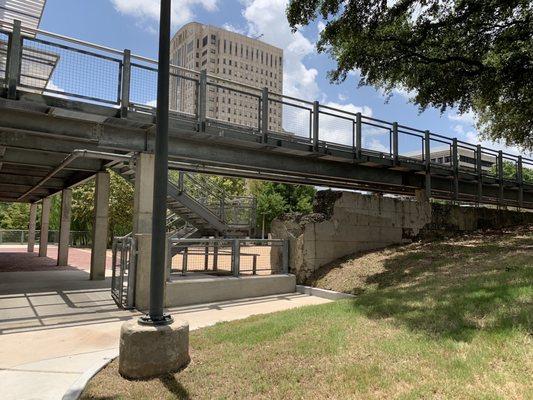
[376, 138]
[123, 271]
[441, 152]
[232, 105]
[527, 171]
[467, 157]
[183, 93]
[335, 126]
[4, 40]
[410, 145]
[143, 86]
[60, 69]
[211, 256]
[240, 211]
[228, 256]
[260, 257]
[489, 162]
[290, 117]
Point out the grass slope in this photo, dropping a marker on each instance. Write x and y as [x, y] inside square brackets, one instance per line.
[444, 320]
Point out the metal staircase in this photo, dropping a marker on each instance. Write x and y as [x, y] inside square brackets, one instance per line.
[198, 208]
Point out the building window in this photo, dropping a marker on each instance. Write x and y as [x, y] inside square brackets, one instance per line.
[213, 39]
[204, 41]
[224, 45]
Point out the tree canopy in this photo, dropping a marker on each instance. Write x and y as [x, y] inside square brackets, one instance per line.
[470, 54]
[275, 199]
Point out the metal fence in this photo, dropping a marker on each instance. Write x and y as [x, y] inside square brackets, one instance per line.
[20, 236]
[230, 257]
[123, 271]
[68, 68]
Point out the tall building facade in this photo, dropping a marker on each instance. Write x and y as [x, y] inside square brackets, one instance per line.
[231, 56]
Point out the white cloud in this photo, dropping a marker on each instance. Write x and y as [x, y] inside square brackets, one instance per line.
[267, 17]
[232, 28]
[320, 26]
[468, 118]
[340, 129]
[342, 97]
[147, 11]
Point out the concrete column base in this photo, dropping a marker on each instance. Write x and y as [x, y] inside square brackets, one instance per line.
[149, 351]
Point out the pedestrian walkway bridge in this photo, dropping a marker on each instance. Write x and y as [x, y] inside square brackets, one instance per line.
[59, 95]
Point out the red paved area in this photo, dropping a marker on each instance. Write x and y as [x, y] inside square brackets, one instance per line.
[17, 259]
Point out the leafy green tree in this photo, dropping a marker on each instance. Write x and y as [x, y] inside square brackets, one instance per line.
[14, 215]
[471, 54]
[509, 171]
[275, 199]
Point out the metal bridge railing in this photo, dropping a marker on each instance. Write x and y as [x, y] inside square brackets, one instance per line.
[231, 257]
[68, 68]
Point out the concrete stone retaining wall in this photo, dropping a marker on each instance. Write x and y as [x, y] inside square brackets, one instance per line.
[345, 223]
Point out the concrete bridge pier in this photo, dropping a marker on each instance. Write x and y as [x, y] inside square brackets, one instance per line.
[142, 227]
[64, 228]
[100, 226]
[32, 227]
[45, 223]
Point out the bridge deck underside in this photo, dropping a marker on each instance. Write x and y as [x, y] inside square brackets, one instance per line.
[37, 132]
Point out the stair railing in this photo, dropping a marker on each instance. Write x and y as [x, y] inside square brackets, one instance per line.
[236, 211]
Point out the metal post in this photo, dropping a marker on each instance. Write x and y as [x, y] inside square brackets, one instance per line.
[206, 258]
[316, 107]
[14, 60]
[520, 181]
[202, 101]
[169, 259]
[45, 221]
[185, 260]
[358, 136]
[31, 227]
[156, 315]
[126, 80]
[500, 176]
[285, 257]
[215, 256]
[395, 146]
[235, 256]
[479, 174]
[427, 162]
[181, 177]
[264, 114]
[254, 264]
[455, 163]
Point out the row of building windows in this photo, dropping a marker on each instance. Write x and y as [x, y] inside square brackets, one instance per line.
[465, 159]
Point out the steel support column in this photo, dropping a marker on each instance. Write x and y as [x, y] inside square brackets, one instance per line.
[31, 227]
[64, 228]
[156, 314]
[45, 223]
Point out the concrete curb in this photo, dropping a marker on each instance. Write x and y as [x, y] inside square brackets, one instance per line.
[323, 293]
[74, 391]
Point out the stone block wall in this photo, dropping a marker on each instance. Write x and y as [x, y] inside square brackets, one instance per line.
[345, 223]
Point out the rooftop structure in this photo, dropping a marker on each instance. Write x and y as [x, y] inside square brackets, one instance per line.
[29, 12]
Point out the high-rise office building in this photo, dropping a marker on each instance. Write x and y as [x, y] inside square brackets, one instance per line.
[231, 56]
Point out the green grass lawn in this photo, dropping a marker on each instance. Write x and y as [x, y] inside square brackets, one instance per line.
[445, 320]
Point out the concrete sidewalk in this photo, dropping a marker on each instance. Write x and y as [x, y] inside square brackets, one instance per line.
[56, 325]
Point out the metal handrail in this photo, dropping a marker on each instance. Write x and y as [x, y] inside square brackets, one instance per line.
[393, 129]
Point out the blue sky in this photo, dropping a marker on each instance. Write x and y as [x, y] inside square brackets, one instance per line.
[132, 24]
